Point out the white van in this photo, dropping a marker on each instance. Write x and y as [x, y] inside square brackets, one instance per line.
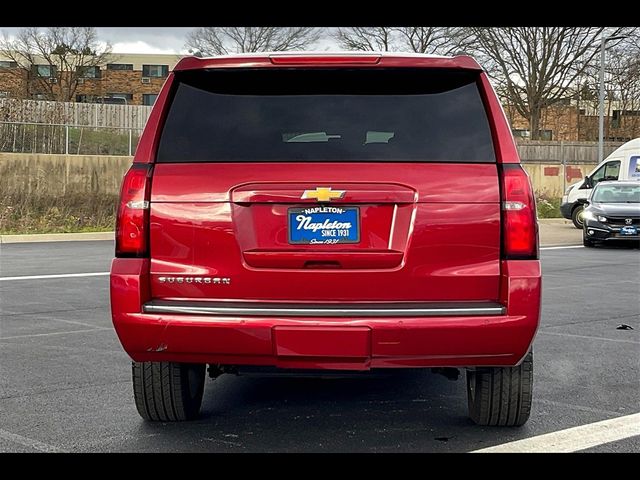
[622, 164]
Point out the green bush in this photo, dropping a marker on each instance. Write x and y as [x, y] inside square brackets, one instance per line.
[76, 212]
[548, 207]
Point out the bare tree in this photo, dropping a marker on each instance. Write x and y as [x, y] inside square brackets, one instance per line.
[537, 67]
[621, 87]
[624, 93]
[366, 38]
[225, 40]
[435, 40]
[68, 52]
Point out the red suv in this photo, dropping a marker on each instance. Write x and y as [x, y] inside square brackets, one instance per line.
[327, 212]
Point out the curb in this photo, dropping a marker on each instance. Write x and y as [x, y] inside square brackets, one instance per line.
[561, 245]
[57, 237]
[554, 221]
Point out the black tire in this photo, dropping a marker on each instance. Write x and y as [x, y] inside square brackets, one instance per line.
[501, 396]
[576, 217]
[168, 391]
[588, 243]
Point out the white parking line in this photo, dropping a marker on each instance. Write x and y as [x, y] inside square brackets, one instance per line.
[28, 442]
[29, 335]
[61, 275]
[573, 439]
[587, 337]
[561, 247]
[72, 322]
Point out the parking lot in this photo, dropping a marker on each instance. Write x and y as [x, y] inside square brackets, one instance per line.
[65, 380]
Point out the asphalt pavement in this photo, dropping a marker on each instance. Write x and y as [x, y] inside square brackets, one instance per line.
[65, 380]
[558, 231]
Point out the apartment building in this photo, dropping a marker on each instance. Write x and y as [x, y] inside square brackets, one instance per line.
[131, 79]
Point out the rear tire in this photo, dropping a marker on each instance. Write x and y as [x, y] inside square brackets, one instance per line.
[168, 391]
[501, 396]
[576, 216]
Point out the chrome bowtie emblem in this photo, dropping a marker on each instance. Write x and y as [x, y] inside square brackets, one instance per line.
[323, 194]
[628, 221]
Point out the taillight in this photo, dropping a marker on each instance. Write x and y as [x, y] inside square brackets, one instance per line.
[519, 221]
[132, 223]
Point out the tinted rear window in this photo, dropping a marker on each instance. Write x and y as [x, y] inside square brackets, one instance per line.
[389, 115]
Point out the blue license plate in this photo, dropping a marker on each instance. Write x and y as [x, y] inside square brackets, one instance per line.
[629, 230]
[324, 225]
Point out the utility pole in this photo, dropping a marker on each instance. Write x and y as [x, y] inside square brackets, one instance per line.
[603, 40]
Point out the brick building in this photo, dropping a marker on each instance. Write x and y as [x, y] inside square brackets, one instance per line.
[574, 122]
[132, 79]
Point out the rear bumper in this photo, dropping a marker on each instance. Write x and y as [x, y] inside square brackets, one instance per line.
[357, 342]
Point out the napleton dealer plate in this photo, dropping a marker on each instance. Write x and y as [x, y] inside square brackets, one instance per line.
[324, 225]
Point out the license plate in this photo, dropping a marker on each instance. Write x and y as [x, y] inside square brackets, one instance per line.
[629, 230]
[324, 225]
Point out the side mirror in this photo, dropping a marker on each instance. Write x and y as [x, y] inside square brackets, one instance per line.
[586, 203]
[587, 181]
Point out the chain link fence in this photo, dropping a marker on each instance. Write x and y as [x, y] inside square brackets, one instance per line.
[52, 138]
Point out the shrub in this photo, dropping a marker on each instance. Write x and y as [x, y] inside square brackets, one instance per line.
[548, 207]
[76, 212]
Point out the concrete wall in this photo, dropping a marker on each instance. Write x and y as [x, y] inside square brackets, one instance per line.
[547, 178]
[544, 160]
[60, 174]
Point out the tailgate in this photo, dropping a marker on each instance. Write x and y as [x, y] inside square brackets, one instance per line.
[319, 185]
[235, 231]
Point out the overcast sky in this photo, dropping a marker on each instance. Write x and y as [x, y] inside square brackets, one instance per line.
[146, 39]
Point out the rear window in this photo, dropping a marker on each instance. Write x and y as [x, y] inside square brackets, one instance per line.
[291, 115]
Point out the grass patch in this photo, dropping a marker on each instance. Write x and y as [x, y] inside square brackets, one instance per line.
[548, 207]
[71, 213]
[43, 138]
[101, 142]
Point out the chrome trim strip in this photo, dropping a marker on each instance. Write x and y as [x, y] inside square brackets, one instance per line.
[393, 225]
[325, 311]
